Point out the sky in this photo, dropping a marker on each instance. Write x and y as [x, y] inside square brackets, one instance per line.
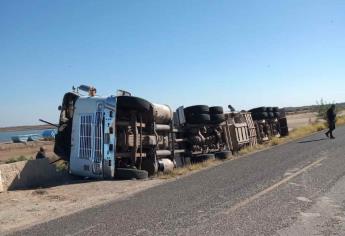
[246, 53]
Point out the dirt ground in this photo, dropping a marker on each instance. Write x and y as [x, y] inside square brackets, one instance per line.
[28, 150]
[303, 119]
[300, 120]
[20, 209]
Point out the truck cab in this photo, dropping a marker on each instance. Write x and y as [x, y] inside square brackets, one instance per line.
[100, 136]
[93, 138]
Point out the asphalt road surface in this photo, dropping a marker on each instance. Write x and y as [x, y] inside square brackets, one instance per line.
[274, 192]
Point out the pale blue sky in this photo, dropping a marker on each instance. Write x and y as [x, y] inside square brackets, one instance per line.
[246, 53]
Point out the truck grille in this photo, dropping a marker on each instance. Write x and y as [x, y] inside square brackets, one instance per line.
[91, 137]
[85, 145]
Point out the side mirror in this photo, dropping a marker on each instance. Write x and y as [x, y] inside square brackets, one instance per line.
[60, 108]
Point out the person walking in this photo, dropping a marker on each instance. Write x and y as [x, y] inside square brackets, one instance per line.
[331, 118]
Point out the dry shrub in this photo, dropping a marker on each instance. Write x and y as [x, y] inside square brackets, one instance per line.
[249, 149]
[276, 141]
[17, 159]
[306, 130]
[189, 168]
[61, 166]
[341, 120]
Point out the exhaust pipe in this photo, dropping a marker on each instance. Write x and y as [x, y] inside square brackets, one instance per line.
[161, 153]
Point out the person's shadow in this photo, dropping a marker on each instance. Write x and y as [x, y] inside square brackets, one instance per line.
[313, 140]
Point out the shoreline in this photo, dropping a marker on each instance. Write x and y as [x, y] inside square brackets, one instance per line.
[25, 128]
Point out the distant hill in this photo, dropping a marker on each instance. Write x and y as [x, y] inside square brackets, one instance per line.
[26, 127]
[312, 108]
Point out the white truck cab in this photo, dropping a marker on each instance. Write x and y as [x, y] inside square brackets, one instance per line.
[93, 137]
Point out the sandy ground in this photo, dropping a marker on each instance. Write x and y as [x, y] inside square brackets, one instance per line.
[300, 120]
[20, 209]
[29, 150]
[303, 119]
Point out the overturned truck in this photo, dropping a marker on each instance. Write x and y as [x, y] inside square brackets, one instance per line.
[129, 137]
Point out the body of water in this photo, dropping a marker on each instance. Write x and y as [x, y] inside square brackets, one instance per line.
[6, 136]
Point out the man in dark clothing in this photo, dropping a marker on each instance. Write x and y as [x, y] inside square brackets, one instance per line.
[331, 118]
[41, 154]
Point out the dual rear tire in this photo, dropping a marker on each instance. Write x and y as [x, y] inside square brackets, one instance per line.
[203, 114]
[197, 114]
[262, 113]
[223, 155]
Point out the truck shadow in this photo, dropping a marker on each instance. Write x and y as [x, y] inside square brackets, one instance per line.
[313, 140]
[35, 174]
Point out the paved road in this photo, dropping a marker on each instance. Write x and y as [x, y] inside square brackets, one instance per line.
[262, 194]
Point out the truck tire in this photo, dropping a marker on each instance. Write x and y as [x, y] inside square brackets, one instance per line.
[149, 165]
[133, 103]
[223, 155]
[283, 122]
[276, 114]
[217, 118]
[202, 158]
[275, 109]
[258, 110]
[284, 131]
[197, 110]
[255, 116]
[271, 115]
[269, 109]
[216, 110]
[260, 116]
[199, 119]
[128, 174]
[186, 161]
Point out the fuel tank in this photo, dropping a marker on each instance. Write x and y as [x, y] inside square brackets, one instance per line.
[162, 114]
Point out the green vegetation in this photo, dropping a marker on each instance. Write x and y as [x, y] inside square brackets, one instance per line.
[341, 120]
[20, 158]
[61, 166]
[321, 109]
